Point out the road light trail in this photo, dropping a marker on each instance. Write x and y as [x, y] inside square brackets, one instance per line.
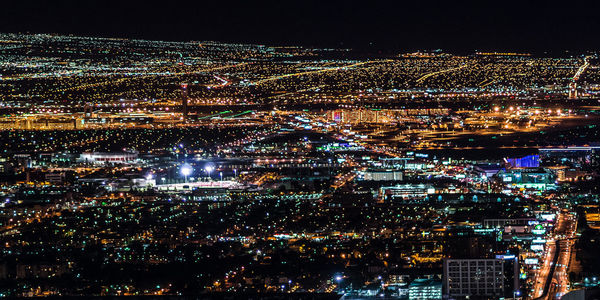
[573, 84]
[581, 69]
[278, 77]
[110, 81]
[551, 280]
[424, 77]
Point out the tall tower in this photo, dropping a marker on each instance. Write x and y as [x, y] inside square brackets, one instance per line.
[88, 110]
[573, 90]
[184, 100]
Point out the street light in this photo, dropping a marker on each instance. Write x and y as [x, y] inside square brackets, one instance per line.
[186, 170]
[208, 170]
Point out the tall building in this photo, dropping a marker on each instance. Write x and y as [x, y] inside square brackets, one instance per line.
[184, 100]
[481, 277]
[573, 90]
[6, 166]
[88, 110]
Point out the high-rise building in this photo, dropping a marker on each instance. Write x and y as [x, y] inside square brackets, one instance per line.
[6, 166]
[573, 90]
[184, 100]
[88, 110]
[481, 277]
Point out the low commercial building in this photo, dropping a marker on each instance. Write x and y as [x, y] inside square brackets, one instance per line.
[383, 175]
[406, 191]
[528, 178]
[108, 157]
[425, 289]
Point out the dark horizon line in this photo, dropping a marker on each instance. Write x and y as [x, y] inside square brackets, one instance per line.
[365, 47]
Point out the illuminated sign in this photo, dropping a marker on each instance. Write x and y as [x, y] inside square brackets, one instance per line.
[505, 257]
[537, 247]
[548, 217]
[337, 116]
[531, 261]
[539, 229]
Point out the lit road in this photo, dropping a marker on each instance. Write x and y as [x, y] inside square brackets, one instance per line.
[424, 77]
[15, 225]
[544, 270]
[562, 270]
[344, 67]
[581, 69]
[343, 179]
[573, 84]
[551, 281]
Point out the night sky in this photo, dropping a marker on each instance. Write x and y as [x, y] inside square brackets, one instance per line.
[535, 26]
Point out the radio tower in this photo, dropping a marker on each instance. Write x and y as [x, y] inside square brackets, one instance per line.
[184, 100]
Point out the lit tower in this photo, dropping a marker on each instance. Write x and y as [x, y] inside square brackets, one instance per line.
[88, 110]
[184, 100]
[573, 90]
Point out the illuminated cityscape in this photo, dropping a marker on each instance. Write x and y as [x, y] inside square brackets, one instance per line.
[187, 168]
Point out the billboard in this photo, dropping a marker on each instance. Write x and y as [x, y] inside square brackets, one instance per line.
[531, 261]
[537, 247]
